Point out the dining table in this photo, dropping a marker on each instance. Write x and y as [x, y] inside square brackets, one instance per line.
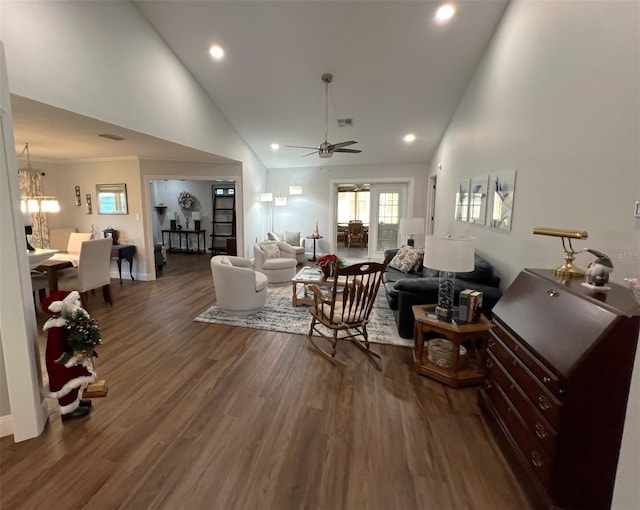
[51, 266]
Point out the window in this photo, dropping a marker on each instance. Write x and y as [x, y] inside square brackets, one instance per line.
[389, 208]
[353, 205]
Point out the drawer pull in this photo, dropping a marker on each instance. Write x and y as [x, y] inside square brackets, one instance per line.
[536, 459]
[492, 343]
[543, 403]
[546, 379]
[490, 363]
[541, 431]
[553, 293]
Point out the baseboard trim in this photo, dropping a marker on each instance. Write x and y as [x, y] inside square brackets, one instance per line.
[6, 425]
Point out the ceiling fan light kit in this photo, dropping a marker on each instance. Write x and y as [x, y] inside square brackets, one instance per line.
[326, 149]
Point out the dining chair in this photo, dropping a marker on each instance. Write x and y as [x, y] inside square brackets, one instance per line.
[75, 241]
[93, 271]
[355, 234]
[345, 310]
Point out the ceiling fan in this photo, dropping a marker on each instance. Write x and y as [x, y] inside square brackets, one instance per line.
[326, 149]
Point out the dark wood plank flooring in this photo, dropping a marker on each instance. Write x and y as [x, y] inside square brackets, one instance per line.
[204, 416]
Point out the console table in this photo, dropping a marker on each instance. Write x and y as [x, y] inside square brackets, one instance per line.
[126, 252]
[185, 233]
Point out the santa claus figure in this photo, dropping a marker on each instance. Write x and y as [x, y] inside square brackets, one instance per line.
[69, 367]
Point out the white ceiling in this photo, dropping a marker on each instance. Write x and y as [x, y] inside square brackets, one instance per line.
[395, 71]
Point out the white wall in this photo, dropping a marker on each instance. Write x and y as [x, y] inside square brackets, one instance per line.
[557, 98]
[302, 211]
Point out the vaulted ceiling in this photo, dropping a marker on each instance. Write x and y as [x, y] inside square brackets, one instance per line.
[396, 71]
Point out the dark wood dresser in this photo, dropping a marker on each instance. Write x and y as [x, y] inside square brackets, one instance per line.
[558, 369]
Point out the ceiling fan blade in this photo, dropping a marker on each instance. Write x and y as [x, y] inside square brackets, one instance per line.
[343, 144]
[301, 147]
[353, 151]
[314, 152]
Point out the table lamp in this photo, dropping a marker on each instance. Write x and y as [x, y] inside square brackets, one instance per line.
[449, 255]
[411, 227]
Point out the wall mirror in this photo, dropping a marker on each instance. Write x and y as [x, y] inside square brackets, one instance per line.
[112, 198]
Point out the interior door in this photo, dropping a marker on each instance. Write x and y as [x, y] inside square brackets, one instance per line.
[388, 205]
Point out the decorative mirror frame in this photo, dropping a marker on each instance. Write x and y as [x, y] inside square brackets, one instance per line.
[112, 198]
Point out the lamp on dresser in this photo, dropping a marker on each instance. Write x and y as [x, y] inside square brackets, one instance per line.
[448, 254]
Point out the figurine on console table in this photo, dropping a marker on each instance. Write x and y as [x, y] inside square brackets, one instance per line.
[597, 274]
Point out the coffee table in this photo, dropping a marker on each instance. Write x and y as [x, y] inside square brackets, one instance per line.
[307, 275]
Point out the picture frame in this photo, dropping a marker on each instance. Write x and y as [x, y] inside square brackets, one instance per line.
[89, 207]
[502, 188]
[78, 200]
[461, 210]
[637, 213]
[478, 194]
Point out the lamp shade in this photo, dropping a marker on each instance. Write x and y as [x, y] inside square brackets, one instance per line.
[266, 197]
[295, 190]
[449, 253]
[280, 201]
[412, 226]
[195, 215]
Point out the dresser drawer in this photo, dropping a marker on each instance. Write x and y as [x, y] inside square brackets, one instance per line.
[535, 457]
[543, 400]
[545, 434]
[548, 378]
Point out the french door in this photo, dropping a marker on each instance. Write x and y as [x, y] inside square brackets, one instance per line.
[388, 203]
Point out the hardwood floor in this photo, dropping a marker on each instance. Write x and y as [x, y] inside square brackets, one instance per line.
[205, 416]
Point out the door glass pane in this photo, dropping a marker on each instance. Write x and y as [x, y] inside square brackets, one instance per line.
[388, 220]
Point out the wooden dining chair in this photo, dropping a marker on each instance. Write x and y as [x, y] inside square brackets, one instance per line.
[93, 271]
[355, 234]
[345, 310]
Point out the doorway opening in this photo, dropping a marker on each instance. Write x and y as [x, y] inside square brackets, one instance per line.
[374, 207]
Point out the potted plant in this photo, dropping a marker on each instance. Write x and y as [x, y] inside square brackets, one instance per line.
[328, 264]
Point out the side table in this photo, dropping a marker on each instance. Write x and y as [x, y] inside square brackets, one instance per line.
[315, 238]
[457, 375]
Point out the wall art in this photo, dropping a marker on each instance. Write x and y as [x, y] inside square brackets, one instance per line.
[78, 201]
[461, 212]
[502, 189]
[478, 199]
[88, 202]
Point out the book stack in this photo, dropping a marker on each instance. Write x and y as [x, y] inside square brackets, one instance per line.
[469, 305]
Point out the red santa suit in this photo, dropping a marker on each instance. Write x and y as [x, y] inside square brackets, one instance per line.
[66, 381]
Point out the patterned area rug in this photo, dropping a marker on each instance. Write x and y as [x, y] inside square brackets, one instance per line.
[279, 315]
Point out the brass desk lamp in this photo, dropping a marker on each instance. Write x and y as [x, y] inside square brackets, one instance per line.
[566, 270]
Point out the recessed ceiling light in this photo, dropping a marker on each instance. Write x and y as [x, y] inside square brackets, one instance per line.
[445, 13]
[409, 138]
[275, 146]
[216, 52]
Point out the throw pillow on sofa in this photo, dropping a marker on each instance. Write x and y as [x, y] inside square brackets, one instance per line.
[406, 259]
[271, 251]
[272, 236]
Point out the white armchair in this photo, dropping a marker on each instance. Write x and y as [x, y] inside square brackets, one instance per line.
[239, 289]
[292, 239]
[276, 260]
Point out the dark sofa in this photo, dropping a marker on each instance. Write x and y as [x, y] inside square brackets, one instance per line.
[403, 290]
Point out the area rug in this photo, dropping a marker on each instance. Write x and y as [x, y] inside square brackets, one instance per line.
[278, 314]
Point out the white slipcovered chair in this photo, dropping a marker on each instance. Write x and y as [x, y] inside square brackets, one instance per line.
[292, 239]
[75, 241]
[276, 260]
[240, 290]
[93, 271]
